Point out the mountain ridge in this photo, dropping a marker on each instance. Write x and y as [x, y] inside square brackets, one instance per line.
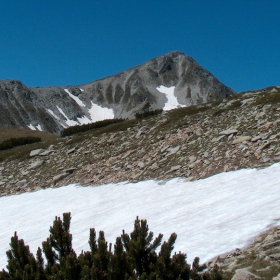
[134, 90]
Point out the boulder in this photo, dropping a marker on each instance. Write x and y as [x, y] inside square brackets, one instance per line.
[243, 274]
[36, 152]
[228, 132]
[241, 139]
[36, 164]
[59, 177]
[21, 183]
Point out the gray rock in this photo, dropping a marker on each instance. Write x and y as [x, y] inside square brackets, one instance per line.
[264, 146]
[276, 277]
[176, 167]
[36, 152]
[141, 131]
[241, 139]
[173, 150]
[36, 164]
[46, 153]
[141, 164]
[164, 148]
[21, 183]
[70, 170]
[71, 151]
[275, 256]
[243, 274]
[2, 183]
[256, 138]
[192, 159]
[59, 177]
[228, 132]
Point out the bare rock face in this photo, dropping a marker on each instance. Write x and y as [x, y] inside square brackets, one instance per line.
[119, 96]
[243, 274]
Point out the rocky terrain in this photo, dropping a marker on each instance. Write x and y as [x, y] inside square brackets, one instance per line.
[122, 95]
[193, 142]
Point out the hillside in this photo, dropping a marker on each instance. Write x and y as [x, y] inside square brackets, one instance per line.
[192, 142]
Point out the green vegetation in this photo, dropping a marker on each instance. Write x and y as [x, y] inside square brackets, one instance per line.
[148, 114]
[13, 142]
[85, 127]
[232, 106]
[267, 98]
[12, 132]
[134, 257]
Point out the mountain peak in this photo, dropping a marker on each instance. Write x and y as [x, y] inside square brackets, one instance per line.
[171, 78]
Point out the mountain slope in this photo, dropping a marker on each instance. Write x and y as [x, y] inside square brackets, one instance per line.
[119, 96]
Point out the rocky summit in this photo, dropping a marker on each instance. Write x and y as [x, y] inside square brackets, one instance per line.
[193, 142]
[141, 88]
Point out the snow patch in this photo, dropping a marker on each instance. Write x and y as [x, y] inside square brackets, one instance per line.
[84, 120]
[82, 89]
[77, 99]
[39, 127]
[210, 216]
[98, 113]
[53, 114]
[31, 127]
[68, 121]
[172, 102]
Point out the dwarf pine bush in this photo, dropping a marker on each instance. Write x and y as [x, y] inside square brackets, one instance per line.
[137, 255]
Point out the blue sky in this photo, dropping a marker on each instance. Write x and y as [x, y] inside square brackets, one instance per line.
[45, 43]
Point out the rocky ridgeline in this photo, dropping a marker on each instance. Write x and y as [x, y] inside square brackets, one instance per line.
[194, 143]
[51, 109]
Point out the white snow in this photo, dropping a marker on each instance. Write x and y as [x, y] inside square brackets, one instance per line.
[77, 99]
[53, 114]
[31, 127]
[68, 121]
[210, 216]
[172, 101]
[99, 113]
[39, 127]
[84, 120]
[82, 89]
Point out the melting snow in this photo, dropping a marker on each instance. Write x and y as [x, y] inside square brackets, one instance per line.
[172, 101]
[39, 127]
[77, 99]
[99, 113]
[68, 121]
[210, 216]
[31, 127]
[84, 120]
[53, 114]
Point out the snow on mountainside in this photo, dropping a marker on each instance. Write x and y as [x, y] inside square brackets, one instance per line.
[166, 82]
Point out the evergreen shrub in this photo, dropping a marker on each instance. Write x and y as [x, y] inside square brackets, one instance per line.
[13, 142]
[134, 256]
[85, 127]
[148, 114]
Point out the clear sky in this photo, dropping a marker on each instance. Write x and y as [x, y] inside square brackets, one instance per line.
[50, 42]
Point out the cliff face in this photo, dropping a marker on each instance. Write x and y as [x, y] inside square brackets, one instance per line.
[118, 96]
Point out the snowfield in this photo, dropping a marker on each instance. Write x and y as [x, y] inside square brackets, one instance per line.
[172, 102]
[210, 216]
